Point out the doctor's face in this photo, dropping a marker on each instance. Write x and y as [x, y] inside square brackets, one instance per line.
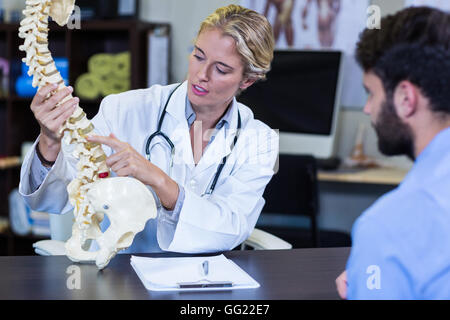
[215, 71]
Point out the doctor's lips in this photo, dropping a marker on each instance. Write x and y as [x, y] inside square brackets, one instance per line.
[199, 91]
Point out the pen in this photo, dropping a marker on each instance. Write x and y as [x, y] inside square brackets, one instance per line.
[211, 284]
[205, 283]
[205, 266]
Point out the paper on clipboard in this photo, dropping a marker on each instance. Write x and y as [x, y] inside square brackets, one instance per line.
[165, 274]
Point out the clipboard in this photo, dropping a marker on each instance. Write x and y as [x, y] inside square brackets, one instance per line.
[186, 274]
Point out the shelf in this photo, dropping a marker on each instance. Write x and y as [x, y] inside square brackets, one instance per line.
[86, 25]
[5, 27]
[30, 236]
[87, 101]
[16, 245]
[383, 176]
[19, 99]
[17, 122]
[9, 27]
[9, 162]
[124, 25]
[29, 99]
[4, 225]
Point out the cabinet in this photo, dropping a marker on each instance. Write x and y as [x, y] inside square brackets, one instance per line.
[17, 123]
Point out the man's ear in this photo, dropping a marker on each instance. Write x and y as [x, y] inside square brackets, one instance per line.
[406, 98]
[247, 82]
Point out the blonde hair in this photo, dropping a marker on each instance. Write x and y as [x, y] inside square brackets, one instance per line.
[253, 35]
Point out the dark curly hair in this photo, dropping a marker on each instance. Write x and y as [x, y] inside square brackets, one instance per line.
[412, 45]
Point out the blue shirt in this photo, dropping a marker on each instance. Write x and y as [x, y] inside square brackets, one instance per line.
[225, 121]
[401, 245]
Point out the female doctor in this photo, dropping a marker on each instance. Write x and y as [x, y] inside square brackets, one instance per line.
[202, 154]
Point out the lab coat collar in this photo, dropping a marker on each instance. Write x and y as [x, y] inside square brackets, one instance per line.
[178, 97]
[220, 147]
[191, 116]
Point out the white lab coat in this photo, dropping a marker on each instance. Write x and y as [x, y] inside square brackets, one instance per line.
[210, 223]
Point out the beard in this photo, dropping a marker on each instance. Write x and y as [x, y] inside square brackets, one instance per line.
[394, 137]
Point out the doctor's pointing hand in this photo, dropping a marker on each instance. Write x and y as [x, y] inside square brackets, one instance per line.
[202, 154]
[126, 162]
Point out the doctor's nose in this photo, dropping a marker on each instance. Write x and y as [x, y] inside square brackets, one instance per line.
[202, 73]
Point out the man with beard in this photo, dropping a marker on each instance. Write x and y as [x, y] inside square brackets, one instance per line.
[401, 244]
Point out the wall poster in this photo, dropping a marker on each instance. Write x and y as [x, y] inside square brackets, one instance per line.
[320, 25]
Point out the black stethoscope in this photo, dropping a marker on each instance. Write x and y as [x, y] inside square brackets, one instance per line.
[172, 146]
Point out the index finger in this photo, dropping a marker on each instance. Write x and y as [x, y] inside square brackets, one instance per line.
[42, 93]
[110, 141]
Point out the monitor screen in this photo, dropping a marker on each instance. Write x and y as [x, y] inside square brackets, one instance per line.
[299, 95]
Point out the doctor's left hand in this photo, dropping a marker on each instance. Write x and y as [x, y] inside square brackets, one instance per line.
[128, 162]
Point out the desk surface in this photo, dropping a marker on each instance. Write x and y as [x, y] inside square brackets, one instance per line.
[387, 176]
[283, 274]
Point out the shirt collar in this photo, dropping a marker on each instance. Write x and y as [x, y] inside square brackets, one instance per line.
[224, 121]
[432, 159]
[440, 142]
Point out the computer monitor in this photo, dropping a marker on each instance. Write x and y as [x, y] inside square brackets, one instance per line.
[301, 98]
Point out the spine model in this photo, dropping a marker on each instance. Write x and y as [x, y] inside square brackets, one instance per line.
[91, 166]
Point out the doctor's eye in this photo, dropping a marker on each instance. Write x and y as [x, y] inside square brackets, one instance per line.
[198, 57]
[105, 206]
[220, 71]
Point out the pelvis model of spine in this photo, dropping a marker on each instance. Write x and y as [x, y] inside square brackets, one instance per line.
[126, 201]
